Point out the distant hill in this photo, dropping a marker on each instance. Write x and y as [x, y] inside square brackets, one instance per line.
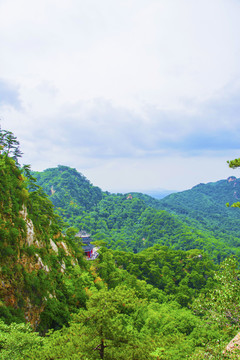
[206, 205]
[133, 221]
[160, 194]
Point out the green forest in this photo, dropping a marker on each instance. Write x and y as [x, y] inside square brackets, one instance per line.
[193, 219]
[165, 284]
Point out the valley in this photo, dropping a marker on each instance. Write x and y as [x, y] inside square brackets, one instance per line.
[165, 283]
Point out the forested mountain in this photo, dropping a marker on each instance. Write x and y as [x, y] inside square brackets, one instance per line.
[136, 221]
[206, 205]
[70, 192]
[160, 303]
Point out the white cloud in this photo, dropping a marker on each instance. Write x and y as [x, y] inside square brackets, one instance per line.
[174, 173]
[139, 81]
[158, 52]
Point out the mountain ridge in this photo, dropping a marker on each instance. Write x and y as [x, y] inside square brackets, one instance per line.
[122, 220]
[206, 204]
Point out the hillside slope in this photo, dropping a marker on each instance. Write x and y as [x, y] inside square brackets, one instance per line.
[71, 193]
[130, 222]
[43, 275]
[206, 204]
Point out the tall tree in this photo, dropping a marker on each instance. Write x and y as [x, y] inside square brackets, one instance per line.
[9, 145]
[109, 329]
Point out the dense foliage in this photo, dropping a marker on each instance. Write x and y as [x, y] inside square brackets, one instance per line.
[168, 301]
[204, 207]
[70, 192]
[134, 222]
[33, 255]
[130, 319]
[180, 274]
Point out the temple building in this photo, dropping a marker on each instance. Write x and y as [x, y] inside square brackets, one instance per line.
[88, 248]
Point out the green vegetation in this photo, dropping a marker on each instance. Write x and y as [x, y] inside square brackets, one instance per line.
[34, 253]
[136, 222]
[130, 319]
[180, 274]
[204, 207]
[70, 192]
[154, 292]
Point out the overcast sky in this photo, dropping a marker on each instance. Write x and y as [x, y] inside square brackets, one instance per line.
[134, 94]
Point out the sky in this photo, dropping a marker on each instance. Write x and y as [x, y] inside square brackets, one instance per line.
[137, 95]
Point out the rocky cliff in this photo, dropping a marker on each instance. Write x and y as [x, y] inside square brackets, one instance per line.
[40, 268]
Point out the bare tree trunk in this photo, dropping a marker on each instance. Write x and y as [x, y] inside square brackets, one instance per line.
[101, 350]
